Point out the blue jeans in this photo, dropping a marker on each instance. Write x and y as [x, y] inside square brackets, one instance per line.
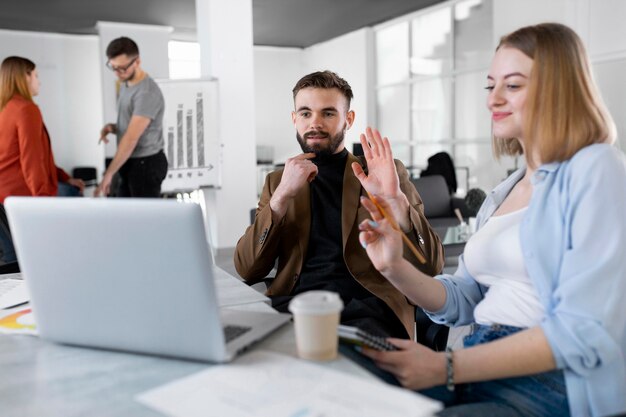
[67, 190]
[536, 395]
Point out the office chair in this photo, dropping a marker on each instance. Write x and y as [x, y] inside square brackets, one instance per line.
[87, 174]
[441, 164]
[439, 204]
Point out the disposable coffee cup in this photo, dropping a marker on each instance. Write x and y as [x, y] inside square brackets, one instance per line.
[316, 317]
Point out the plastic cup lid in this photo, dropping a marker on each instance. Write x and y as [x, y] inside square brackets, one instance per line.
[316, 302]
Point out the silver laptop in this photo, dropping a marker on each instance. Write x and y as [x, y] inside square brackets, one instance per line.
[127, 274]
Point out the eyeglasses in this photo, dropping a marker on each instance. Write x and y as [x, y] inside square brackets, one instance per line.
[121, 69]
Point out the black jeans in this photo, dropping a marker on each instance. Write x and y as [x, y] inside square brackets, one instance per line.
[142, 177]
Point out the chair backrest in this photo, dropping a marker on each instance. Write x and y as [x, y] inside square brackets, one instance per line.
[435, 195]
[87, 174]
[441, 164]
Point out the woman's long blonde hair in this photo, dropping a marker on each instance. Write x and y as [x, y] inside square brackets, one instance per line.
[564, 110]
[13, 72]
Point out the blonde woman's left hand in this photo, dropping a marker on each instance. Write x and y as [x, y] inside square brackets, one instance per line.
[414, 366]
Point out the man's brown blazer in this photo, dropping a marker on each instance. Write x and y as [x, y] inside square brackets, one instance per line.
[287, 241]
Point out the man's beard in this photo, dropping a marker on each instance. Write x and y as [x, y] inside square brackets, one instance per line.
[321, 149]
[129, 77]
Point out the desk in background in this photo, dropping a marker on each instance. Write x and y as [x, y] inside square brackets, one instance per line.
[453, 246]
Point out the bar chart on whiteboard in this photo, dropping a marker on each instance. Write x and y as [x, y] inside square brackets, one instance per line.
[191, 134]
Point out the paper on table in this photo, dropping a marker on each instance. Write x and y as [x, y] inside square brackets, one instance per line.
[268, 384]
[18, 320]
[232, 291]
[13, 291]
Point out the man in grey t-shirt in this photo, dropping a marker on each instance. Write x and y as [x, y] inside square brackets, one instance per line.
[139, 159]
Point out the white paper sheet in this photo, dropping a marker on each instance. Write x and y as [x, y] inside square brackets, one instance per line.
[232, 291]
[268, 384]
[13, 291]
[18, 320]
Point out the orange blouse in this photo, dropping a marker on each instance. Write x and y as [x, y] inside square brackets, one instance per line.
[26, 162]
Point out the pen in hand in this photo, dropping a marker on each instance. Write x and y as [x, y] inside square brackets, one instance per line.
[396, 227]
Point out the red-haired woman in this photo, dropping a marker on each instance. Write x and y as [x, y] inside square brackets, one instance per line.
[27, 166]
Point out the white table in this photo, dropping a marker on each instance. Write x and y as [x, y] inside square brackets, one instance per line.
[40, 378]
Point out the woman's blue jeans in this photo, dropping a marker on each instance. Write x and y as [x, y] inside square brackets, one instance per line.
[537, 395]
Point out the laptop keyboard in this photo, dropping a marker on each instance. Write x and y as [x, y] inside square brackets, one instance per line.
[233, 332]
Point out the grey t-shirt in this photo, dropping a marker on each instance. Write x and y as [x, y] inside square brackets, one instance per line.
[143, 99]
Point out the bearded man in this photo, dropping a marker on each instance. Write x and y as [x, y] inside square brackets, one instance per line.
[139, 159]
[307, 219]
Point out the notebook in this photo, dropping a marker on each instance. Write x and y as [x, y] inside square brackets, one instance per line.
[127, 274]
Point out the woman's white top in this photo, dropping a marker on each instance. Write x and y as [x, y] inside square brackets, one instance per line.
[493, 256]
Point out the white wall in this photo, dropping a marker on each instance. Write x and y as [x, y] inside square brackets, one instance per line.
[276, 71]
[607, 31]
[607, 47]
[350, 57]
[70, 97]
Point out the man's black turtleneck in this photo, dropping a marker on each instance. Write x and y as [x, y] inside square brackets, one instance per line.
[324, 265]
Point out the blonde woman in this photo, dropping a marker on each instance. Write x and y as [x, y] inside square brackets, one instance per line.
[543, 279]
[26, 163]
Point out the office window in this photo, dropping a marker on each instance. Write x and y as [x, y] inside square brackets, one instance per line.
[472, 34]
[448, 48]
[430, 110]
[392, 54]
[475, 158]
[184, 59]
[394, 111]
[431, 43]
[472, 120]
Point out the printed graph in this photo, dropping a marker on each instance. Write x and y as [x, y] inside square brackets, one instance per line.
[191, 132]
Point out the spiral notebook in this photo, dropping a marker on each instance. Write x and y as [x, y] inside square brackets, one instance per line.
[360, 337]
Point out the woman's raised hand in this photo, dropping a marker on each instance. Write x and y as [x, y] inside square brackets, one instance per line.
[382, 177]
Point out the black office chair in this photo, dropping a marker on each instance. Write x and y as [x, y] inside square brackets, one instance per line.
[8, 260]
[87, 174]
[439, 204]
[441, 164]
